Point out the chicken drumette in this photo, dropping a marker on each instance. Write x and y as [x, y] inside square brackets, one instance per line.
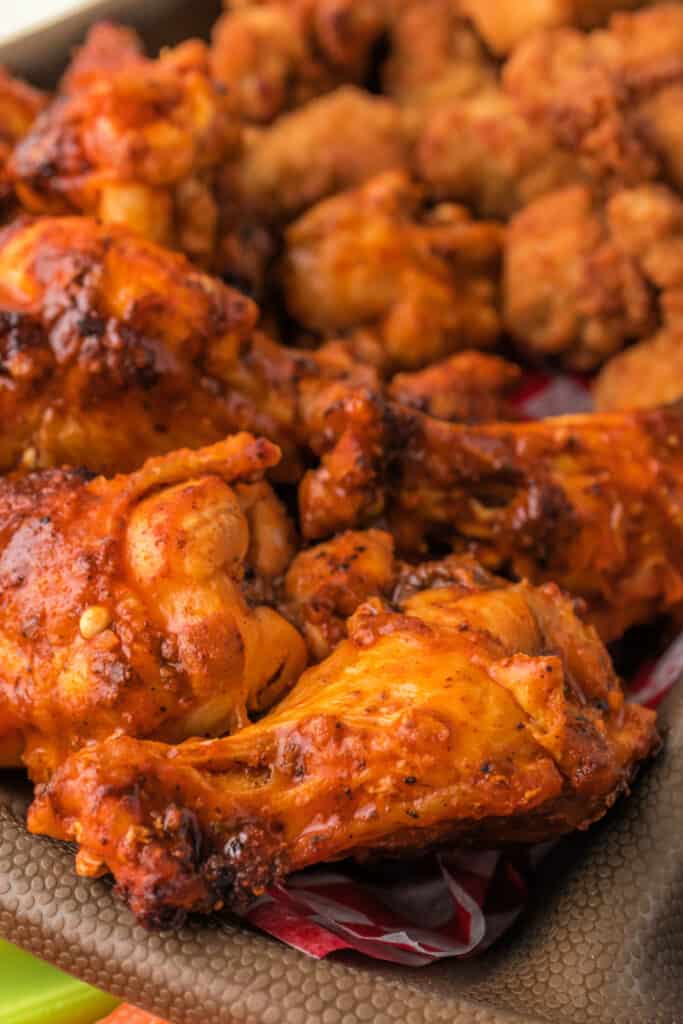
[591, 502]
[136, 604]
[476, 712]
[20, 104]
[132, 141]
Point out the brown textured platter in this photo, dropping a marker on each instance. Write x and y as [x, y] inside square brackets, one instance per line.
[602, 945]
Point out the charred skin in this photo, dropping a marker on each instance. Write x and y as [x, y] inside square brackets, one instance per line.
[141, 604]
[592, 502]
[444, 720]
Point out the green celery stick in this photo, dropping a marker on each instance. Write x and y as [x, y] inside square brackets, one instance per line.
[33, 992]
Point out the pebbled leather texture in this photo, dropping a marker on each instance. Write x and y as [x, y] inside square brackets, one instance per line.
[604, 942]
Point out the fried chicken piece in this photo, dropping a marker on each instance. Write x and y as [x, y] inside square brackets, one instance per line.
[434, 56]
[592, 502]
[138, 144]
[330, 144]
[573, 288]
[470, 387]
[610, 93]
[505, 23]
[644, 376]
[128, 604]
[483, 152]
[110, 347]
[20, 104]
[277, 55]
[478, 713]
[422, 281]
[325, 584]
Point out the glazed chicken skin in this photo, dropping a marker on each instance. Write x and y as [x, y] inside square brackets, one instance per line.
[422, 282]
[114, 349]
[132, 141]
[612, 93]
[135, 605]
[469, 387]
[591, 502]
[583, 277]
[108, 343]
[326, 583]
[20, 104]
[478, 712]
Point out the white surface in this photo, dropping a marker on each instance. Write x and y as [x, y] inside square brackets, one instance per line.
[18, 17]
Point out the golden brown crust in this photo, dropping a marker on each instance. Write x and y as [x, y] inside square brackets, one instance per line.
[132, 141]
[421, 281]
[469, 387]
[645, 376]
[446, 720]
[127, 603]
[20, 105]
[598, 92]
[325, 584]
[274, 56]
[592, 502]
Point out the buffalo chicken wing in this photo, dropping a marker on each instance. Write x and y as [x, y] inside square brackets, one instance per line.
[132, 141]
[592, 502]
[135, 604]
[476, 712]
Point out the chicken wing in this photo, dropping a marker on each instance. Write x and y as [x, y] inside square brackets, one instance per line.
[110, 347]
[422, 281]
[132, 141]
[325, 584]
[469, 387]
[611, 93]
[135, 604]
[592, 502]
[476, 713]
[20, 104]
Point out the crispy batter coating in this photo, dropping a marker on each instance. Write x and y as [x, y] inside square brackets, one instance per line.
[110, 347]
[434, 56]
[505, 23]
[592, 502]
[470, 387]
[274, 56]
[20, 104]
[325, 584]
[477, 713]
[330, 144]
[611, 93]
[137, 143]
[644, 376]
[583, 277]
[572, 288]
[422, 281]
[481, 150]
[127, 603]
